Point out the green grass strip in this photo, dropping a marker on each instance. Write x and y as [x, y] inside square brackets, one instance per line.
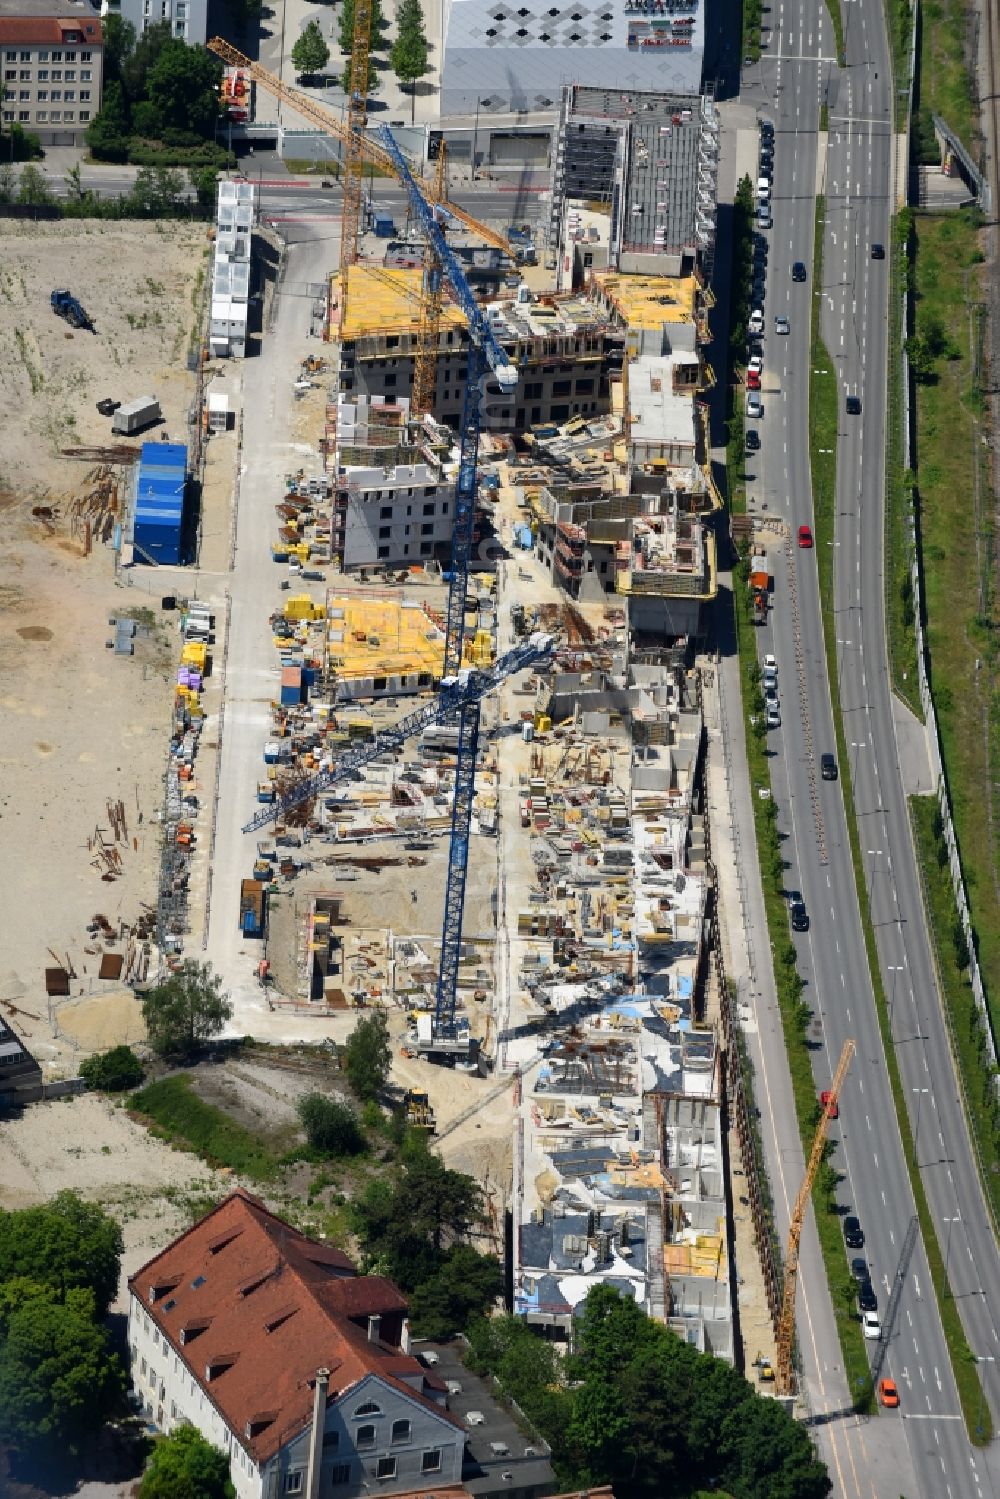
[795, 1014]
[822, 396]
[833, 6]
[181, 1117]
[899, 487]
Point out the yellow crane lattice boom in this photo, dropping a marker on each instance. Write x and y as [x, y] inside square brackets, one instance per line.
[786, 1324]
[369, 150]
[425, 364]
[357, 121]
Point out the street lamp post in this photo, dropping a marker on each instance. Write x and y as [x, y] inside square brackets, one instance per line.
[982, 1358]
[855, 746]
[873, 854]
[947, 1247]
[893, 969]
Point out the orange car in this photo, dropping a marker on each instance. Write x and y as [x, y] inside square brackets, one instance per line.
[888, 1394]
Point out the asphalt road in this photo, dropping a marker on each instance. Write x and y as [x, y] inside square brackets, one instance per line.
[927, 1439]
[854, 323]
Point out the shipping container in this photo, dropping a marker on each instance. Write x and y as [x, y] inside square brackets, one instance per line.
[136, 415]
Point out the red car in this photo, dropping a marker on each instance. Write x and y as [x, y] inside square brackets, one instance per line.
[753, 380]
[805, 537]
[829, 1104]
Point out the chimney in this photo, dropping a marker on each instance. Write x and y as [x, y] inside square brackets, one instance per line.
[318, 1427]
[374, 1328]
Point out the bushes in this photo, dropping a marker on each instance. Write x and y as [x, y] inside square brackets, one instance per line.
[112, 1071]
[331, 1127]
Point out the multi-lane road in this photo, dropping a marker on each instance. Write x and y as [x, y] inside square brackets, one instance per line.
[856, 174]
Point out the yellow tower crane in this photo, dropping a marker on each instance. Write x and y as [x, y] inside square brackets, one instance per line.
[786, 1324]
[425, 364]
[360, 149]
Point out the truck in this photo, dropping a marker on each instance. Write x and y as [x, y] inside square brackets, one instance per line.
[136, 415]
[760, 587]
[252, 908]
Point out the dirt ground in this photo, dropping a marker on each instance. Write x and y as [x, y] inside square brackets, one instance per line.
[80, 726]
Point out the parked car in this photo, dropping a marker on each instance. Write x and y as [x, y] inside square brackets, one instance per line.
[756, 321]
[755, 406]
[859, 1268]
[752, 440]
[867, 1300]
[799, 916]
[870, 1325]
[805, 538]
[773, 718]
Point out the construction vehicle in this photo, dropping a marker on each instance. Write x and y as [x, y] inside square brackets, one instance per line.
[65, 305]
[784, 1382]
[419, 1114]
[252, 908]
[760, 588]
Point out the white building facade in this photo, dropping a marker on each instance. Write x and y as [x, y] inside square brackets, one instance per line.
[187, 19]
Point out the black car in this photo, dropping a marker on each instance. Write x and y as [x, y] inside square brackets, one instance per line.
[798, 915]
[767, 129]
[878, 252]
[828, 767]
[753, 440]
[867, 1300]
[853, 405]
[854, 1236]
[798, 271]
[859, 1269]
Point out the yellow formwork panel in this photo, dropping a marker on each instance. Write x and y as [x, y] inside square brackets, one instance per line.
[383, 637]
[388, 302]
[301, 606]
[195, 653]
[650, 301]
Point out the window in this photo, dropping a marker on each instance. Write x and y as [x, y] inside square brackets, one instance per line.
[43, 75]
[56, 74]
[25, 56]
[584, 387]
[70, 75]
[42, 56]
[143, 1368]
[84, 56]
[340, 1473]
[366, 1434]
[84, 95]
[561, 387]
[8, 115]
[427, 529]
[57, 57]
[10, 57]
[24, 115]
[430, 1462]
[384, 514]
[25, 75]
[293, 1482]
[43, 94]
[429, 509]
[384, 533]
[386, 1467]
[56, 93]
[84, 114]
[86, 74]
[10, 76]
[24, 95]
[401, 1429]
[425, 551]
[70, 95]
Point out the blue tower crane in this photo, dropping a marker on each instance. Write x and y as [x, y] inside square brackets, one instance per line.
[462, 691]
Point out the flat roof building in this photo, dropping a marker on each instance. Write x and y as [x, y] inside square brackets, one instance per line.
[53, 58]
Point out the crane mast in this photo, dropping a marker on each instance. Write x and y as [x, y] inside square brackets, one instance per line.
[786, 1323]
[354, 164]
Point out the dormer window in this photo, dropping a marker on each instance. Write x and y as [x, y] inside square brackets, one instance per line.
[368, 1408]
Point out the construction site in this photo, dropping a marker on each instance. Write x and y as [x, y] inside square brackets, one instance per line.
[421, 711]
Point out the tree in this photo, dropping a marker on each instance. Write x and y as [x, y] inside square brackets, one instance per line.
[182, 86]
[58, 1382]
[766, 1455]
[187, 1009]
[107, 133]
[205, 181]
[156, 193]
[346, 36]
[183, 1464]
[331, 1126]
[115, 1070]
[137, 64]
[8, 183]
[119, 44]
[466, 1286]
[33, 188]
[65, 1243]
[409, 55]
[406, 1226]
[310, 53]
[368, 1055]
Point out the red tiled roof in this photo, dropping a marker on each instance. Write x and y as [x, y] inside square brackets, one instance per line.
[44, 31]
[267, 1308]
